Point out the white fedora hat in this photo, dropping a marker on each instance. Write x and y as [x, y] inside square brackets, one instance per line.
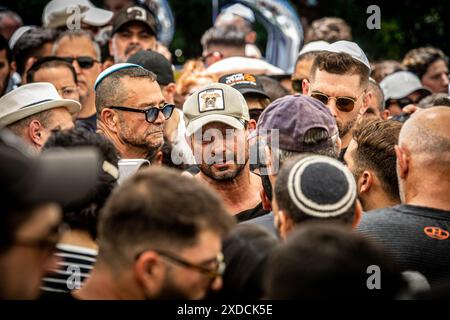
[30, 99]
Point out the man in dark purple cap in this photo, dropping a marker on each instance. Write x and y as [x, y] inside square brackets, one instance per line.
[290, 126]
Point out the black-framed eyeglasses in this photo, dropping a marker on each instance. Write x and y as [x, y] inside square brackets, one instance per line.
[344, 103]
[83, 62]
[151, 114]
[211, 273]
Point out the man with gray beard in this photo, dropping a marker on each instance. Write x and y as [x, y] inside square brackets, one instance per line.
[131, 110]
[217, 128]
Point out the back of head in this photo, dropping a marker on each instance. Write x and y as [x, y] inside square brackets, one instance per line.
[376, 140]
[303, 124]
[329, 29]
[313, 187]
[324, 261]
[156, 63]
[246, 249]
[433, 100]
[83, 215]
[228, 36]
[426, 136]
[384, 68]
[157, 208]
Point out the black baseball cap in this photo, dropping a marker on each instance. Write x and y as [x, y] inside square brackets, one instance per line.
[156, 63]
[245, 83]
[134, 13]
[57, 176]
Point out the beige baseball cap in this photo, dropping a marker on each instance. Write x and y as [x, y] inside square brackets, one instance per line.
[216, 102]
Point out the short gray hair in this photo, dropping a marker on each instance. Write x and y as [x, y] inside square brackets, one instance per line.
[79, 33]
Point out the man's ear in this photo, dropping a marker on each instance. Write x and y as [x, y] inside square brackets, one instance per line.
[266, 204]
[306, 87]
[110, 119]
[402, 161]
[365, 182]
[110, 47]
[169, 92]
[149, 273]
[158, 159]
[286, 224]
[28, 65]
[365, 104]
[35, 133]
[385, 114]
[358, 214]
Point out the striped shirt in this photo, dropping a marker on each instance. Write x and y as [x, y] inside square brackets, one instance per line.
[75, 264]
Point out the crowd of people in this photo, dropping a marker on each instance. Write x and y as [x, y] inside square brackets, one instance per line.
[228, 179]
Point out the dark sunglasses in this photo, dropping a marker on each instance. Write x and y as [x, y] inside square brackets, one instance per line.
[83, 62]
[151, 114]
[211, 273]
[345, 104]
[297, 85]
[402, 102]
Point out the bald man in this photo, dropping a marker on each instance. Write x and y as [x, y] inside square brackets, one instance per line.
[416, 232]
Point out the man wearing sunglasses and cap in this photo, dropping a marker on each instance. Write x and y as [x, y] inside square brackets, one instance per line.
[131, 110]
[339, 77]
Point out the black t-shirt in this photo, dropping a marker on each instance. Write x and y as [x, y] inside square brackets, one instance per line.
[416, 237]
[251, 213]
[89, 124]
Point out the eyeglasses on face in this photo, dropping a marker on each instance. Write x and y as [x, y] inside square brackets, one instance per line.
[83, 62]
[151, 114]
[345, 104]
[211, 273]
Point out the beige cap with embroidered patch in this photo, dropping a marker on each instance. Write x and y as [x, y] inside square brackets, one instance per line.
[216, 102]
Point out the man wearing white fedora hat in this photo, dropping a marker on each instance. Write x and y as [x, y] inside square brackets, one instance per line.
[34, 110]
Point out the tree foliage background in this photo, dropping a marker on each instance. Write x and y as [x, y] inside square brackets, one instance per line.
[405, 24]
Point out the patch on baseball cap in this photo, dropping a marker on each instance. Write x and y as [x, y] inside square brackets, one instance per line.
[210, 99]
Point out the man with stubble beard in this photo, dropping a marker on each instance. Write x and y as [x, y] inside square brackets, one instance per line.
[217, 127]
[339, 77]
[131, 110]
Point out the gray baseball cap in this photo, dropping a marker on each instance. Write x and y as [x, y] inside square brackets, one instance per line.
[350, 48]
[400, 84]
[216, 102]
